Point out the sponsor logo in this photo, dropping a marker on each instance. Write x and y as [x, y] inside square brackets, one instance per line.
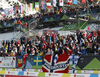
[79, 75]
[17, 76]
[54, 75]
[11, 72]
[30, 73]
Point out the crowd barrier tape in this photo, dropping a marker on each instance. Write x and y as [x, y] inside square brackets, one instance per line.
[40, 70]
[25, 73]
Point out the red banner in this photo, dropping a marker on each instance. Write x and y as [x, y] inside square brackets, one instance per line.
[60, 66]
[18, 76]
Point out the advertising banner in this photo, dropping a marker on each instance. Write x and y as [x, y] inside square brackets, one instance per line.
[89, 62]
[1, 75]
[8, 62]
[18, 76]
[50, 32]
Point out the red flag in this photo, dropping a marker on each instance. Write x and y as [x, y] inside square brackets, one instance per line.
[83, 1]
[88, 29]
[88, 35]
[94, 34]
[69, 2]
[91, 0]
[98, 32]
[24, 59]
[16, 9]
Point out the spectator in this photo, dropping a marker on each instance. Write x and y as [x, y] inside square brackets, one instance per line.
[84, 52]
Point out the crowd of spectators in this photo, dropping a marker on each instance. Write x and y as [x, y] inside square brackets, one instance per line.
[71, 10]
[80, 43]
[17, 20]
[60, 11]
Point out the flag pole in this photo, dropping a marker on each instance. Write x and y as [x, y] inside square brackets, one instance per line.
[77, 12]
[87, 9]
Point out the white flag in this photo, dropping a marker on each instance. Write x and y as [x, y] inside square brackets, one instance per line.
[61, 3]
[11, 11]
[54, 3]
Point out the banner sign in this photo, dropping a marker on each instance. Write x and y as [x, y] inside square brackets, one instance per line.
[89, 62]
[17, 76]
[60, 66]
[50, 32]
[8, 62]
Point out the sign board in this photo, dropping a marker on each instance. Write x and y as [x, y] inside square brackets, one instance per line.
[18, 76]
[8, 62]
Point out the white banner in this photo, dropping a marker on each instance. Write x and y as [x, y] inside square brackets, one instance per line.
[8, 62]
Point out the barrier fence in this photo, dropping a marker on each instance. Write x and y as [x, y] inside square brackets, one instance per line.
[89, 62]
[41, 74]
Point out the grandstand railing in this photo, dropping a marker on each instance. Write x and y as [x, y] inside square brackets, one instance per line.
[85, 62]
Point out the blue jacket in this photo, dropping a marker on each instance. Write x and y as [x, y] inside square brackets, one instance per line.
[84, 52]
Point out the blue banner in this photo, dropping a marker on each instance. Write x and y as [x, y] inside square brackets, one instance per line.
[74, 1]
[43, 5]
[15, 10]
[6, 11]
